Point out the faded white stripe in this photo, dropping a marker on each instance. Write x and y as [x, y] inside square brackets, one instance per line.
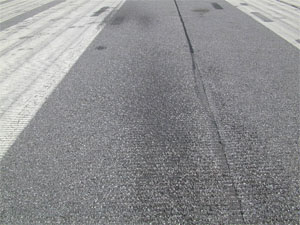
[286, 19]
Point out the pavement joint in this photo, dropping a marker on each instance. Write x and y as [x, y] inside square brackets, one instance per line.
[201, 92]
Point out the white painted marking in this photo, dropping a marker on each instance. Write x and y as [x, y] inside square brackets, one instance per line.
[9, 11]
[285, 17]
[30, 68]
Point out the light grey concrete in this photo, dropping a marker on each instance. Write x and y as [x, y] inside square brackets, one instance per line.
[13, 21]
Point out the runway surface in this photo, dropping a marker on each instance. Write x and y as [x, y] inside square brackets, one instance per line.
[149, 112]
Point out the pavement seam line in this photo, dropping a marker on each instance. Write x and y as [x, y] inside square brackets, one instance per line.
[203, 92]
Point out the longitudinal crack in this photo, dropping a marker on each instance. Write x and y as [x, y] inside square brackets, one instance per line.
[202, 93]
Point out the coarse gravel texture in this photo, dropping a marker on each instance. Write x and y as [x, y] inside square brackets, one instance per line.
[135, 134]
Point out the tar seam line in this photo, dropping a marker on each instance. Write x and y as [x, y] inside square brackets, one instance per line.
[197, 75]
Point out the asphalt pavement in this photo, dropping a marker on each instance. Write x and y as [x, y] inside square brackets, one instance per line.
[179, 112]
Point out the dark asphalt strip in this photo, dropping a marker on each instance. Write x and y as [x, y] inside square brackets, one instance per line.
[216, 5]
[124, 138]
[15, 20]
[244, 65]
[202, 94]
